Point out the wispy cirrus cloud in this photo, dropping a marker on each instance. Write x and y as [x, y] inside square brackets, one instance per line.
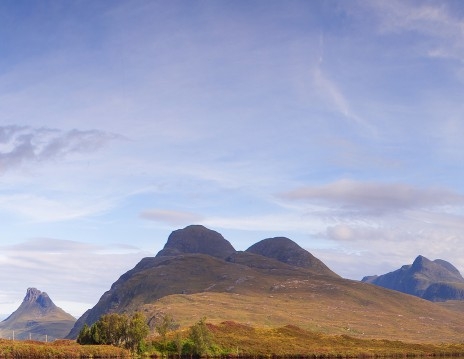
[23, 144]
[440, 24]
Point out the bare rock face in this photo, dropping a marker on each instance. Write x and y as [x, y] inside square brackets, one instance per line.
[436, 280]
[285, 250]
[197, 239]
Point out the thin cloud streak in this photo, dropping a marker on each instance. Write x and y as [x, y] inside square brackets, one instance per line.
[171, 217]
[375, 198]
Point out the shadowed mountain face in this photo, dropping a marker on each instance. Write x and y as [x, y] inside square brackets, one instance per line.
[287, 251]
[435, 280]
[37, 318]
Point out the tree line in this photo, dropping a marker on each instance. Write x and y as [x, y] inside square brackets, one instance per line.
[116, 329]
[131, 333]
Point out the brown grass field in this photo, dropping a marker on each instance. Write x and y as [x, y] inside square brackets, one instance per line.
[57, 349]
[234, 340]
[341, 314]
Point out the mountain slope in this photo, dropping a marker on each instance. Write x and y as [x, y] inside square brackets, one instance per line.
[435, 280]
[36, 318]
[281, 287]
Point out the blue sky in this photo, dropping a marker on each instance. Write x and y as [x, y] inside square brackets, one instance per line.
[335, 123]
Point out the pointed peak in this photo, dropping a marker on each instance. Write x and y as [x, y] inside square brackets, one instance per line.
[419, 262]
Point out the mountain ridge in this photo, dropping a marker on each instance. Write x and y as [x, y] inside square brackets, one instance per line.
[436, 280]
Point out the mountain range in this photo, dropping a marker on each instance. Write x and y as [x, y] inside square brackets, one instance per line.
[274, 282]
[37, 318]
[436, 280]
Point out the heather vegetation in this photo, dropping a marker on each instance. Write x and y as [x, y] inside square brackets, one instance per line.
[13, 349]
[230, 339]
[227, 340]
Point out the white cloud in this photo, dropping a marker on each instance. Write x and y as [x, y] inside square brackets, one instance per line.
[442, 26]
[375, 198]
[21, 144]
[53, 207]
[336, 98]
[171, 217]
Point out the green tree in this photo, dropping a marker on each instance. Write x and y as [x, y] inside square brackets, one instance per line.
[137, 331]
[112, 329]
[178, 343]
[200, 337]
[85, 336]
[163, 326]
[116, 329]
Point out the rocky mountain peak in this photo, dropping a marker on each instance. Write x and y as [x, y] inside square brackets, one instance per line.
[32, 294]
[35, 296]
[420, 263]
[197, 239]
[36, 316]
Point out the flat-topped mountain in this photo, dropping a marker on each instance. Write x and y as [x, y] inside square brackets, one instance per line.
[273, 283]
[436, 280]
[37, 318]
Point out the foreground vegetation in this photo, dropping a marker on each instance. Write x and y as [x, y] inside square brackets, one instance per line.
[224, 340]
[230, 339]
[10, 349]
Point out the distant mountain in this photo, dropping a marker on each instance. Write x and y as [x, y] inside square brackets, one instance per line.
[273, 283]
[436, 280]
[37, 318]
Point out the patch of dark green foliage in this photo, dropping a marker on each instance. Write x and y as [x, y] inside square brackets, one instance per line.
[117, 329]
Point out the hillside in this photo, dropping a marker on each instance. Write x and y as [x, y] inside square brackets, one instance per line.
[37, 318]
[435, 280]
[272, 284]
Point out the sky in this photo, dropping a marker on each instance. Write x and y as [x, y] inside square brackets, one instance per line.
[337, 124]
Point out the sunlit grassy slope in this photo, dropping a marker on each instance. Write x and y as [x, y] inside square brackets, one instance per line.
[329, 307]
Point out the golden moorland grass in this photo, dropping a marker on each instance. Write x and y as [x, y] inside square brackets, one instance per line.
[232, 339]
[401, 317]
[57, 349]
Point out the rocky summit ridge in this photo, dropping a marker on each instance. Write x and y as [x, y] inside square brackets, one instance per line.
[38, 318]
[436, 280]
